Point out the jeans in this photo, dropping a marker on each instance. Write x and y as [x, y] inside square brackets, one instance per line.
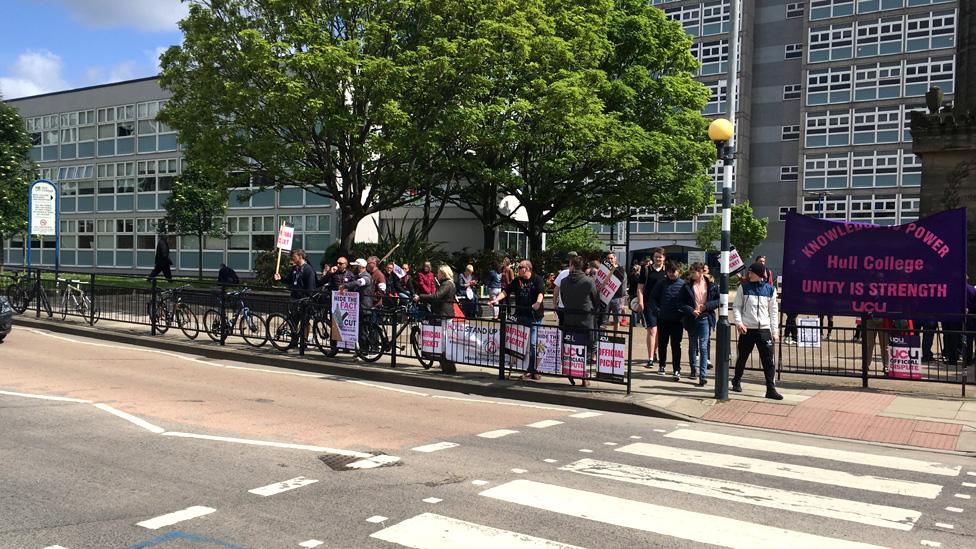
[492, 292]
[669, 331]
[698, 337]
[755, 338]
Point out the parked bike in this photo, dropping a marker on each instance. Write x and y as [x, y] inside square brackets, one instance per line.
[167, 306]
[251, 326]
[75, 300]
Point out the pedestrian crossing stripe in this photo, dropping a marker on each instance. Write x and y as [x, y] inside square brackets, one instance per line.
[858, 458]
[785, 470]
[432, 531]
[668, 521]
[810, 504]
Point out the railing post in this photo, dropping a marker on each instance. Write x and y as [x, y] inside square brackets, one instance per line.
[865, 359]
[91, 292]
[223, 314]
[502, 317]
[37, 292]
[153, 305]
[300, 315]
[630, 352]
[393, 338]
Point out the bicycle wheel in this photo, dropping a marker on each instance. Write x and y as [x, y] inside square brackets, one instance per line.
[253, 329]
[186, 319]
[416, 342]
[93, 310]
[19, 298]
[281, 332]
[322, 335]
[372, 341]
[213, 324]
[64, 306]
[158, 316]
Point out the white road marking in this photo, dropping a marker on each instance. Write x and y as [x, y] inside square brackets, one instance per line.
[550, 460]
[45, 397]
[373, 462]
[282, 486]
[435, 447]
[544, 423]
[321, 449]
[928, 543]
[55, 547]
[944, 525]
[584, 415]
[519, 404]
[431, 531]
[668, 521]
[519, 471]
[635, 437]
[963, 496]
[385, 388]
[376, 519]
[971, 473]
[499, 433]
[660, 431]
[311, 544]
[954, 509]
[859, 458]
[131, 419]
[432, 500]
[682, 424]
[177, 516]
[785, 470]
[969, 484]
[609, 443]
[586, 450]
[810, 504]
[479, 482]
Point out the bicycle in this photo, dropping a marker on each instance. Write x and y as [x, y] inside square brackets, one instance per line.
[411, 316]
[167, 306]
[23, 290]
[252, 326]
[73, 298]
[283, 329]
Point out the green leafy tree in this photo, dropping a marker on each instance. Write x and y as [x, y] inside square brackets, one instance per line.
[585, 107]
[746, 234]
[580, 239]
[16, 173]
[196, 207]
[346, 100]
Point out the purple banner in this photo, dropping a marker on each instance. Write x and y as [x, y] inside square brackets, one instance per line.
[917, 270]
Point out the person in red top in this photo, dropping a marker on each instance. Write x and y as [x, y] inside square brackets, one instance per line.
[426, 280]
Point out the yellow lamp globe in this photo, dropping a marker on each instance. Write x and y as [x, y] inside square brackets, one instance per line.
[720, 130]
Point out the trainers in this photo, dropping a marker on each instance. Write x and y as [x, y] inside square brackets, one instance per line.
[650, 364]
[736, 386]
[694, 373]
[702, 382]
[772, 394]
[677, 375]
[660, 370]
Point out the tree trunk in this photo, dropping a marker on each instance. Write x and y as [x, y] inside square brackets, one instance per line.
[347, 233]
[488, 229]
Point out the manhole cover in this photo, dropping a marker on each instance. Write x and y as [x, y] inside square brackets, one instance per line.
[337, 462]
[346, 463]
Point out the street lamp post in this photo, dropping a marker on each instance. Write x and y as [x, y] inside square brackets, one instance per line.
[720, 131]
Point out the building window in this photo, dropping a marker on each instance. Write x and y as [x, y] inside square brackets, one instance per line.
[717, 102]
[868, 6]
[793, 51]
[717, 174]
[877, 81]
[794, 9]
[828, 129]
[831, 43]
[688, 16]
[790, 133]
[792, 91]
[906, 134]
[929, 31]
[829, 86]
[715, 18]
[880, 37]
[922, 74]
[154, 181]
[830, 207]
[826, 171]
[114, 242]
[874, 169]
[714, 57]
[116, 130]
[876, 125]
[908, 209]
[116, 187]
[784, 210]
[789, 173]
[911, 170]
[826, 9]
[154, 136]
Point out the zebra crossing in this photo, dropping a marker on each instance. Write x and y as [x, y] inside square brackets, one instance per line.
[679, 492]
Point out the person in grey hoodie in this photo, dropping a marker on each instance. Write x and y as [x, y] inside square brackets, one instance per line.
[581, 303]
[666, 300]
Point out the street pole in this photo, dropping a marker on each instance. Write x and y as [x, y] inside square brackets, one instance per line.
[723, 336]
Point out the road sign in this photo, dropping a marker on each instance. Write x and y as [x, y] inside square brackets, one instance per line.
[43, 208]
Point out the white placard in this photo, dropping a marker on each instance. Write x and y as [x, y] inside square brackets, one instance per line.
[904, 356]
[808, 330]
[471, 343]
[735, 261]
[602, 275]
[345, 319]
[609, 289]
[611, 355]
[286, 235]
[431, 340]
[398, 270]
[548, 345]
[517, 346]
[43, 209]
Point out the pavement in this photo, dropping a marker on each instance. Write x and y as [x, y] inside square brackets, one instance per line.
[114, 445]
[913, 414]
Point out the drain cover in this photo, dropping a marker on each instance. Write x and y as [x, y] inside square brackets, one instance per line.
[346, 463]
[337, 462]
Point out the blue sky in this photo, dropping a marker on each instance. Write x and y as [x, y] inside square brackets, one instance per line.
[52, 45]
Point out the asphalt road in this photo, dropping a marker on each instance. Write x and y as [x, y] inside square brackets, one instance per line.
[140, 448]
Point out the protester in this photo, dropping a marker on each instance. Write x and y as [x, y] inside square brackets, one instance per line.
[768, 273]
[665, 299]
[362, 283]
[226, 275]
[755, 312]
[425, 280]
[699, 300]
[528, 290]
[581, 301]
[494, 285]
[557, 302]
[379, 279]
[161, 262]
[508, 274]
[650, 276]
[336, 277]
[633, 279]
[302, 281]
[441, 302]
[467, 287]
[614, 306]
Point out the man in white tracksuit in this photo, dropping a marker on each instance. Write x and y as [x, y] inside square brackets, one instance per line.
[755, 313]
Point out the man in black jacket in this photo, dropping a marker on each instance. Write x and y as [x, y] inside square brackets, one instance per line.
[581, 303]
[666, 300]
[161, 263]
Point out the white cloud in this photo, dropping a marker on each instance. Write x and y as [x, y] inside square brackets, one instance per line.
[35, 72]
[154, 56]
[144, 15]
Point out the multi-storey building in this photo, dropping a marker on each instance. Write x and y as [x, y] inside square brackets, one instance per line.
[115, 165]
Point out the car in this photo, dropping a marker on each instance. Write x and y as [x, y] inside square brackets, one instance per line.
[6, 318]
